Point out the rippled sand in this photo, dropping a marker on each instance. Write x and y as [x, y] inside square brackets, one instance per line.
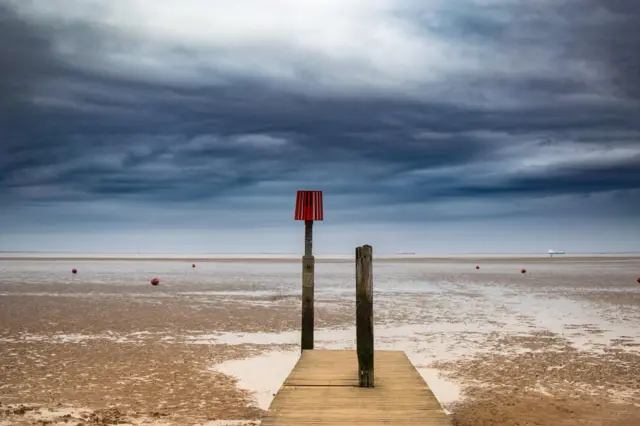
[559, 345]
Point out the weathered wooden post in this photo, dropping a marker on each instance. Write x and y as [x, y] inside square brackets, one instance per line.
[308, 208]
[364, 315]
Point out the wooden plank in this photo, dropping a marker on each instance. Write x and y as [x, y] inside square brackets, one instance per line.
[323, 389]
[306, 422]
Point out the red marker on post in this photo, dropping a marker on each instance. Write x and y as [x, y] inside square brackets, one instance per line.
[308, 208]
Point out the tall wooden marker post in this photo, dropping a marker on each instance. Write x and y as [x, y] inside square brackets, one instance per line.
[364, 315]
[308, 208]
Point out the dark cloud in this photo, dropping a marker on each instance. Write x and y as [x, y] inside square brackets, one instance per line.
[616, 44]
[561, 181]
[24, 55]
[76, 131]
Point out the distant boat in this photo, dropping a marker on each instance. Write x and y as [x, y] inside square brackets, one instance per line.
[552, 252]
[405, 253]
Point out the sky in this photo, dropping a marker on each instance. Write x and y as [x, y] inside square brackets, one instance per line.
[432, 126]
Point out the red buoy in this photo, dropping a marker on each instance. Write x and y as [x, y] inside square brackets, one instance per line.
[154, 281]
[524, 271]
[193, 265]
[638, 280]
[74, 271]
[477, 266]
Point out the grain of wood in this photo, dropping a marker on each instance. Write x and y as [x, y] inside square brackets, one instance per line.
[308, 282]
[323, 389]
[364, 316]
[308, 272]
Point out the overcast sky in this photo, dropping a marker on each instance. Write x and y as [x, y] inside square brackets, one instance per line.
[430, 125]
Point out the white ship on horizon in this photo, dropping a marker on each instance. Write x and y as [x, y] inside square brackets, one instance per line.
[552, 252]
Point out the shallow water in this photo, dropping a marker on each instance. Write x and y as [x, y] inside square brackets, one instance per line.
[442, 296]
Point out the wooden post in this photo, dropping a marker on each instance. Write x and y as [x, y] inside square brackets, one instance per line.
[308, 272]
[364, 315]
[308, 237]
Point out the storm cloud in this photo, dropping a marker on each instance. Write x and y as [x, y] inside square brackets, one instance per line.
[141, 116]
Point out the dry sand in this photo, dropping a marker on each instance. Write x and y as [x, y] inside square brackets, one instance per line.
[559, 345]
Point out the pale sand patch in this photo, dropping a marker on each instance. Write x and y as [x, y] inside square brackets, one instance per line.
[261, 375]
[446, 390]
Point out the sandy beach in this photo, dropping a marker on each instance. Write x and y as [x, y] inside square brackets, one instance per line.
[559, 345]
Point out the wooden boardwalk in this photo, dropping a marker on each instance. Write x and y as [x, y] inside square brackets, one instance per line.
[322, 389]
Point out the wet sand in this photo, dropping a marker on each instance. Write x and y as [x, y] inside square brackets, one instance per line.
[559, 345]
